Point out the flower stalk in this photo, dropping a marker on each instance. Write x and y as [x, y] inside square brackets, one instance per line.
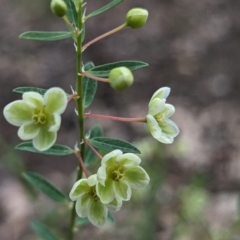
[93, 149]
[84, 169]
[86, 74]
[70, 25]
[121, 119]
[104, 35]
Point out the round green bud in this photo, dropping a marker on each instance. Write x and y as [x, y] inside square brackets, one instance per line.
[58, 7]
[120, 78]
[136, 17]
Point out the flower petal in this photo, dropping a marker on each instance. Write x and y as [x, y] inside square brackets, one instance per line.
[101, 175]
[114, 205]
[82, 205]
[156, 106]
[33, 99]
[111, 158]
[92, 180]
[56, 123]
[44, 140]
[129, 160]
[55, 100]
[17, 113]
[97, 213]
[164, 138]
[79, 188]
[122, 190]
[168, 111]
[105, 193]
[136, 177]
[170, 128]
[161, 93]
[153, 127]
[28, 131]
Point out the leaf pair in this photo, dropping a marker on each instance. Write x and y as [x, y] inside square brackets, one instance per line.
[103, 143]
[73, 6]
[72, 16]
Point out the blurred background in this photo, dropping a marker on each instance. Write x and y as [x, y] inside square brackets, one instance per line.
[191, 46]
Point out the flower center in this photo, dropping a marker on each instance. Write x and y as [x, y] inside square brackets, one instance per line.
[40, 116]
[161, 119]
[93, 194]
[116, 173]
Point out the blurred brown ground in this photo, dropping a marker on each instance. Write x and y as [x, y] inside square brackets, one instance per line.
[191, 46]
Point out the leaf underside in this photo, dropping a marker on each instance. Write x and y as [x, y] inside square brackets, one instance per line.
[45, 36]
[56, 149]
[103, 70]
[110, 144]
[42, 184]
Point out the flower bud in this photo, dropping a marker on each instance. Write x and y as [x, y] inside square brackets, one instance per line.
[120, 78]
[58, 7]
[136, 17]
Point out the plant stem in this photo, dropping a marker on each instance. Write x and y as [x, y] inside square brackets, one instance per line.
[121, 119]
[104, 35]
[80, 109]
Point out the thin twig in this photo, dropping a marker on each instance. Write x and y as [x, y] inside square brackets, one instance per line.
[93, 149]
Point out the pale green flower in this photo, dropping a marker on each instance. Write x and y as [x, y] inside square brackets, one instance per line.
[161, 127]
[38, 117]
[88, 203]
[118, 174]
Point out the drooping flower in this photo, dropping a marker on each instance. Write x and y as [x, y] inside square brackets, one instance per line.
[38, 117]
[118, 174]
[161, 127]
[89, 204]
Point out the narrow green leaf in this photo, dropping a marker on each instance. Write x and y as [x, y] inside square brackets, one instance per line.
[77, 3]
[30, 89]
[88, 66]
[83, 33]
[42, 231]
[56, 149]
[111, 144]
[110, 218]
[96, 131]
[71, 12]
[104, 8]
[103, 70]
[90, 157]
[42, 184]
[89, 87]
[45, 36]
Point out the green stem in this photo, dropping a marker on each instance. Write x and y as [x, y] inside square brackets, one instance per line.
[80, 109]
